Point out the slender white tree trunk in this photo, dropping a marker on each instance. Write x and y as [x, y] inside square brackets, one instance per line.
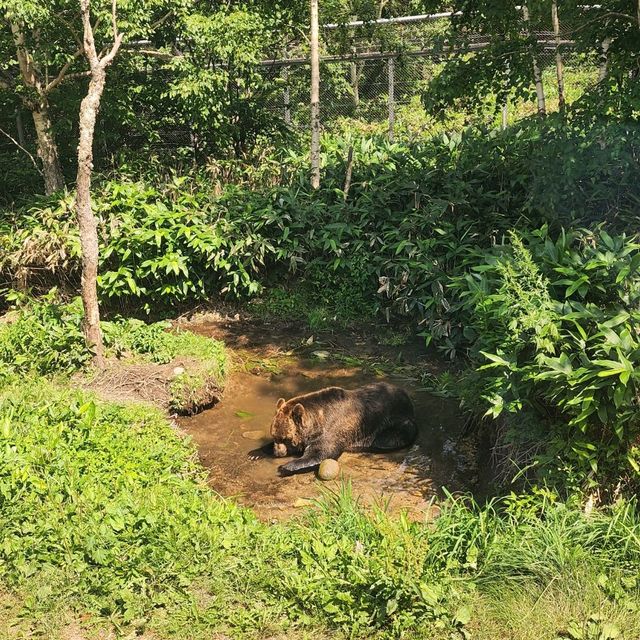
[603, 68]
[559, 62]
[315, 97]
[537, 73]
[86, 220]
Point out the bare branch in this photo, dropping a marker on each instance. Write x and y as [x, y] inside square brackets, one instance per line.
[117, 38]
[89, 42]
[63, 72]
[160, 21]
[79, 74]
[114, 22]
[114, 50]
[35, 164]
[609, 14]
[154, 53]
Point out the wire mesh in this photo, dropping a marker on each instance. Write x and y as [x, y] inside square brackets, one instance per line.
[358, 88]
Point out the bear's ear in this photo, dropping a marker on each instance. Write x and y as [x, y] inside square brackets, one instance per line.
[280, 402]
[297, 412]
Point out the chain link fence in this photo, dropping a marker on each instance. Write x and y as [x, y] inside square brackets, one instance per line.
[373, 79]
[376, 90]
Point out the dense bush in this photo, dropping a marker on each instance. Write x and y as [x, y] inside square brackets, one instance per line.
[554, 326]
[183, 239]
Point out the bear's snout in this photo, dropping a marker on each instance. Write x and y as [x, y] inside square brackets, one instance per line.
[279, 449]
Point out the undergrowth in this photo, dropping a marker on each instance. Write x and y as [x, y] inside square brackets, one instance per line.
[45, 336]
[104, 509]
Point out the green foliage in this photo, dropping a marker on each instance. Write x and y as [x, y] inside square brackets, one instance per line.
[170, 252]
[556, 326]
[103, 508]
[157, 343]
[45, 336]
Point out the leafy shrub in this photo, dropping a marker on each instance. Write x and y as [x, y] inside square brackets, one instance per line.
[556, 324]
[170, 251]
[104, 506]
[186, 239]
[126, 336]
[45, 336]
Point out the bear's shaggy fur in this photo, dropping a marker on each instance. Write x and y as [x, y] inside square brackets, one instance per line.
[325, 423]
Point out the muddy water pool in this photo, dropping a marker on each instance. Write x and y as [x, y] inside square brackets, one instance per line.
[406, 479]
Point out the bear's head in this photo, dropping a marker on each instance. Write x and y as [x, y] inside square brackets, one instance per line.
[287, 429]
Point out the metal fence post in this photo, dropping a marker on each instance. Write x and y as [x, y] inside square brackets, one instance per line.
[391, 99]
[286, 95]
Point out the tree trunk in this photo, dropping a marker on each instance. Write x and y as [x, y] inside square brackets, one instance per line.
[20, 127]
[603, 67]
[559, 62]
[355, 82]
[86, 220]
[315, 97]
[537, 73]
[47, 149]
[36, 101]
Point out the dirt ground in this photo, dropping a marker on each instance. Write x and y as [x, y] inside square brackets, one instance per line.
[274, 361]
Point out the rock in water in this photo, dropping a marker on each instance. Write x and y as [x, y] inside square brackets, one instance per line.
[329, 469]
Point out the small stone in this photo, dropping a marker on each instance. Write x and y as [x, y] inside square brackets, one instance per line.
[178, 371]
[302, 502]
[329, 469]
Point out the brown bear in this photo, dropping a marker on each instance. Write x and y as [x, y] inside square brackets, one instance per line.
[324, 424]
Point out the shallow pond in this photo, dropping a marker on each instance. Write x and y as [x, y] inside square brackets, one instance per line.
[405, 479]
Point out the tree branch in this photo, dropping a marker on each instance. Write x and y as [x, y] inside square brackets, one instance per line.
[117, 38]
[63, 72]
[79, 74]
[114, 22]
[88, 40]
[609, 14]
[35, 164]
[154, 53]
[160, 21]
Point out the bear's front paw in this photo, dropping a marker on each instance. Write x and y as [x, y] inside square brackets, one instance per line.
[256, 454]
[286, 470]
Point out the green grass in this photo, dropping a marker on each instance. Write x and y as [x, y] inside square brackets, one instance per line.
[107, 519]
[319, 307]
[105, 512]
[45, 337]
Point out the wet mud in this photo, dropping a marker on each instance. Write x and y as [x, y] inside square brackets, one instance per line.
[407, 479]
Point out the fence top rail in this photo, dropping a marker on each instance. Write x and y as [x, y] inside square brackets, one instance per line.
[423, 17]
[547, 45]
